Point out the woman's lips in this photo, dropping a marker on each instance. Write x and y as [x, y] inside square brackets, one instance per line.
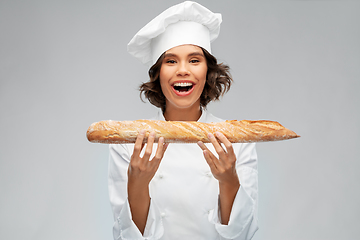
[183, 88]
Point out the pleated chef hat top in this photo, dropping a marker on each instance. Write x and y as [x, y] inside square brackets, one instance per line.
[184, 23]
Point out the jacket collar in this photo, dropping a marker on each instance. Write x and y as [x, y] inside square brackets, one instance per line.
[203, 117]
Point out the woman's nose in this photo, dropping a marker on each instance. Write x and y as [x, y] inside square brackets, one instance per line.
[182, 71]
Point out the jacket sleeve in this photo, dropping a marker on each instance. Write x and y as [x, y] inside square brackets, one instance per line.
[243, 222]
[124, 227]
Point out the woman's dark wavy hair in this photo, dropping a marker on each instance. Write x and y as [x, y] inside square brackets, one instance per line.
[218, 82]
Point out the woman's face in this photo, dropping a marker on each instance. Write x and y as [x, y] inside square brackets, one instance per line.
[183, 76]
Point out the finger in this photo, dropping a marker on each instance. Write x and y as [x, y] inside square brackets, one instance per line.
[202, 145]
[226, 142]
[210, 160]
[204, 148]
[149, 146]
[218, 148]
[230, 159]
[209, 157]
[159, 151]
[139, 142]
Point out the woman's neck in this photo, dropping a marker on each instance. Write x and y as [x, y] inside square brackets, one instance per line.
[179, 114]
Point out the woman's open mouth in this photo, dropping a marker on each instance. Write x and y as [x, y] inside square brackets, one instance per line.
[183, 88]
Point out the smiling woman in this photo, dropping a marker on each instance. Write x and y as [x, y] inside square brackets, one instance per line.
[218, 81]
[216, 183]
[182, 79]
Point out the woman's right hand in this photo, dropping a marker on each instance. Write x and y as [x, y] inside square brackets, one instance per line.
[140, 172]
[141, 169]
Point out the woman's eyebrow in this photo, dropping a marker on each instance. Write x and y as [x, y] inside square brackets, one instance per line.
[196, 54]
[169, 55]
[190, 55]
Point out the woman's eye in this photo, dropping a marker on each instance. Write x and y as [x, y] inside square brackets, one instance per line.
[170, 61]
[194, 61]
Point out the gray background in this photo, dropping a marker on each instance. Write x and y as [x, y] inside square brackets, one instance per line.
[64, 65]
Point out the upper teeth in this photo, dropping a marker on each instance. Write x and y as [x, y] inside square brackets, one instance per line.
[183, 84]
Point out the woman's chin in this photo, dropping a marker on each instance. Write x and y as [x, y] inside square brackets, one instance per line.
[182, 105]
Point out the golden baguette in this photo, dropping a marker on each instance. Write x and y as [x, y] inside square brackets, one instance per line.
[188, 132]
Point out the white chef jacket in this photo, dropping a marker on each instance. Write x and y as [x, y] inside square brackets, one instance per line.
[184, 194]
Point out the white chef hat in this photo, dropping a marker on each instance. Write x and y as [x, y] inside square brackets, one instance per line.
[184, 23]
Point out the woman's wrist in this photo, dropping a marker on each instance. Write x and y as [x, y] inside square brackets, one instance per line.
[137, 190]
[229, 186]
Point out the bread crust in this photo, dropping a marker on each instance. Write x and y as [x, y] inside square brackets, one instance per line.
[116, 132]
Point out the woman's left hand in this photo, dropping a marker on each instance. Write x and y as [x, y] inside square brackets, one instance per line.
[224, 167]
[224, 170]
